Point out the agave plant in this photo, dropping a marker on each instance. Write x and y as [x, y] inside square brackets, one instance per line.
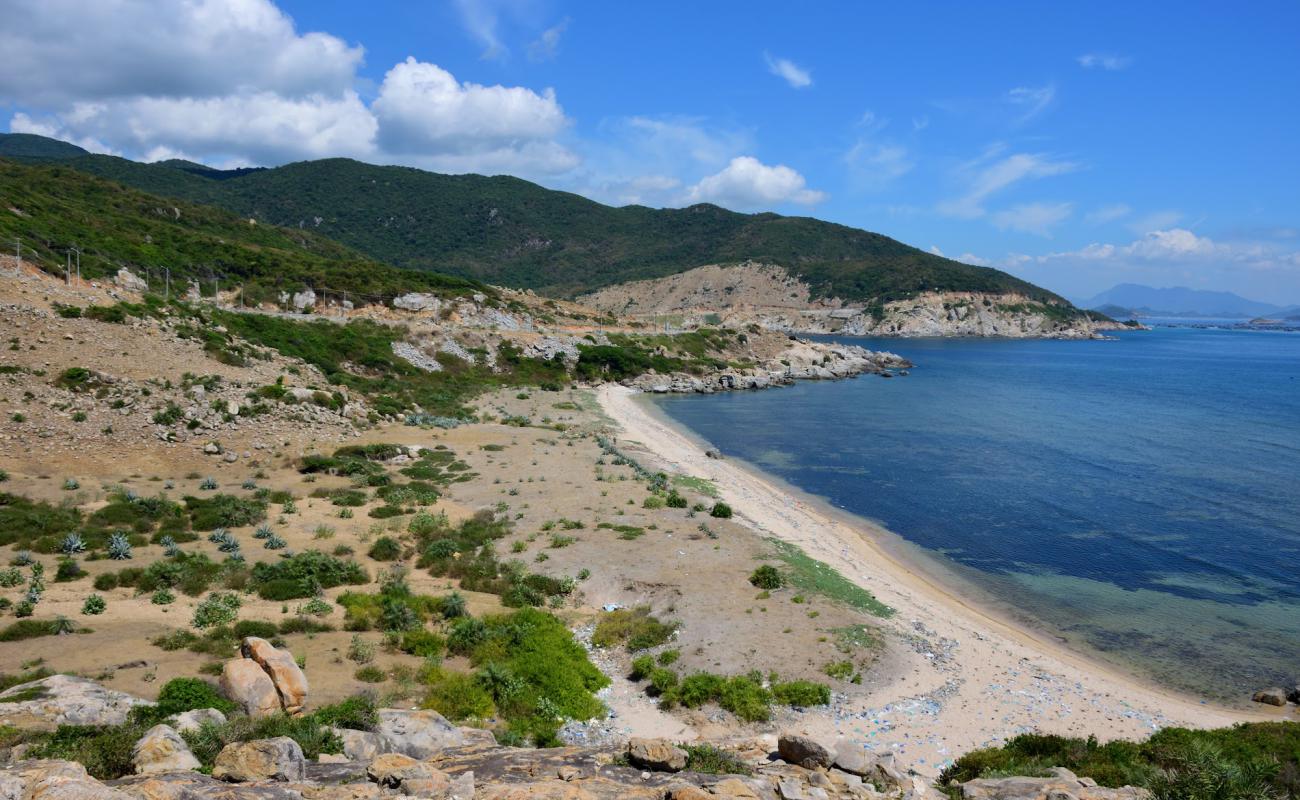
[219, 535]
[235, 558]
[71, 485]
[169, 546]
[250, 485]
[208, 484]
[274, 542]
[263, 532]
[63, 626]
[228, 545]
[72, 543]
[22, 558]
[119, 548]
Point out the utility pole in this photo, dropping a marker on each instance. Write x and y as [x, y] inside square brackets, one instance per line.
[78, 252]
[216, 296]
[18, 250]
[67, 268]
[167, 290]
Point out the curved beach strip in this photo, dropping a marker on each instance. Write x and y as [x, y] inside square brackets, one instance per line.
[971, 678]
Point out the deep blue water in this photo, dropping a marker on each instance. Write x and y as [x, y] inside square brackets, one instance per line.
[1141, 497]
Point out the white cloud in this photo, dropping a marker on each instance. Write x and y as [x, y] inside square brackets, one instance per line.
[260, 127]
[422, 110]
[875, 164]
[1109, 213]
[747, 184]
[934, 248]
[546, 46]
[233, 82]
[990, 174]
[63, 51]
[1034, 100]
[479, 17]
[1106, 61]
[920, 123]
[790, 72]
[1035, 218]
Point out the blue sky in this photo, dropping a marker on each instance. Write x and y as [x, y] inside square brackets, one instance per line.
[1078, 145]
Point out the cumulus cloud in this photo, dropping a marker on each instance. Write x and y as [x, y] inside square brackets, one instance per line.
[747, 183]
[423, 110]
[790, 72]
[1106, 61]
[1035, 218]
[990, 174]
[63, 51]
[233, 82]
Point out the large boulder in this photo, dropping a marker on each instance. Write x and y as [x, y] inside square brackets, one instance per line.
[278, 759]
[65, 700]
[162, 749]
[290, 682]
[417, 301]
[659, 755]
[53, 780]
[803, 751]
[359, 745]
[1272, 697]
[418, 734]
[128, 280]
[247, 685]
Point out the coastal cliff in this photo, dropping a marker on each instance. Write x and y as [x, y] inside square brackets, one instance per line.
[767, 295]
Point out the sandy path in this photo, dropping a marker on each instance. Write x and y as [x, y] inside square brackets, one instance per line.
[998, 681]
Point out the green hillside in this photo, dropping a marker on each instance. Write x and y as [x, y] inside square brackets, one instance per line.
[508, 231]
[53, 208]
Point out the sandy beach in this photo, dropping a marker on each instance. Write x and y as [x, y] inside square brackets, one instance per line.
[970, 679]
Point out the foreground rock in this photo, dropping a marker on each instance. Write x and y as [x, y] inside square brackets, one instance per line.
[284, 672]
[65, 700]
[1063, 785]
[418, 734]
[162, 749]
[803, 751]
[278, 759]
[246, 685]
[656, 754]
[1271, 697]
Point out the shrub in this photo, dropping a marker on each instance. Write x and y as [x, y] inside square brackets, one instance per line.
[218, 608]
[68, 570]
[304, 574]
[458, 697]
[370, 674]
[361, 651]
[720, 510]
[652, 501]
[105, 752]
[675, 500]
[119, 547]
[162, 597]
[93, 605]
[713, 760]
[767, 577]
[636, 628]
[186, 694]
[224, 511]
[27, 629]
[385, 548]
[422, 643]
[801, 694]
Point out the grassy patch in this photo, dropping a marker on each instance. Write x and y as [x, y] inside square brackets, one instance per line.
[810, 575]
[636, 627]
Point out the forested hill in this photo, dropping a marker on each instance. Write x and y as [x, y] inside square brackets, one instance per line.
[511, 232]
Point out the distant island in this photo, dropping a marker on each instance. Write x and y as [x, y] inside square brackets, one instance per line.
[1128, 300]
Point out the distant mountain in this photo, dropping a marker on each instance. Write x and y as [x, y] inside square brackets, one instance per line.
[510, 232]
[1139, 300]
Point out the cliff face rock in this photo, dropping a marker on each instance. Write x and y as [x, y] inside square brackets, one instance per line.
[767, 295]
[65, 700]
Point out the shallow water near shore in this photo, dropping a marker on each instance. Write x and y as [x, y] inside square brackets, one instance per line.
[1140, 497]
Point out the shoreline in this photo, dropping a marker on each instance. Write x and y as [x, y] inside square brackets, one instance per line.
[1005, 678]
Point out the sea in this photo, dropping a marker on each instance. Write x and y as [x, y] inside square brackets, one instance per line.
[1139, 498]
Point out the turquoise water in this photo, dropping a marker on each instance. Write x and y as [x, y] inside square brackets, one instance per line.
[1139, 497]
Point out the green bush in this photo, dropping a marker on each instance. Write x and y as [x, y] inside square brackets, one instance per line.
[186, 694]
[720, 510]
[385, 548]
[224, 511]
[218, 608]
[636, 628]
[767, 577]
[458, 697]
[801, 694]
[28, 629]
[94, 605]
[105, 752]
[713, 760]
[370, 674]
[304, 574]
[423, 643]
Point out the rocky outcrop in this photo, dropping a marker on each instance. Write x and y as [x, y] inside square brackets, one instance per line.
[660, 755]
[53, 780]
[265, 680]
[1275, 696]
[417, 302]
[800, 360]
[245, 684]
[162, 749]
[189, 721]
[290, 682]
[418, 734]
[1062, 785]
[128, 280]
[65, 700]
[804, 751]
[278, 759]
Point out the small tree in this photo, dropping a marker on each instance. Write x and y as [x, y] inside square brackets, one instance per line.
[720, 510]
[767, 577]
[94, 605]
